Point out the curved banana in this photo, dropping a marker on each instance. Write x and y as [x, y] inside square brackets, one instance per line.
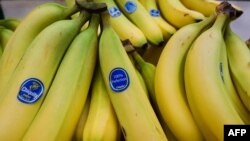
[78, 132]
[5, 35]
[125, 29]
[68, 92]
[177, 14]
[228, 81]
[33, 76]
[132, 106]
[169, 81]
[166, 28]
[135, 11]
[36, 20]
[239, 57]
[206, 7]
[206, 93]
[10, 23]
[102, 123]
[147, 72]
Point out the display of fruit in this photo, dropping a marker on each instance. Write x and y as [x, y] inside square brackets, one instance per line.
[123, 70]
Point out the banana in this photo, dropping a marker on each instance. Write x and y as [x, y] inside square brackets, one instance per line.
[147, 71]
[206, 93]
[177, 14]
[36, 20]
[125, 29]
[206, 7]
[78, 132]
[102, 123]
[167, 29]
[68, 92]
[232, 92]
[33, 75]
[10, 23]
[132, 106]
[169, 81]
[5, 35]
[239, 57]
[135, 11]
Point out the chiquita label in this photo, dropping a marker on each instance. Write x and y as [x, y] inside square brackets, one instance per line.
[114, 12]
[154, 12]
[118, 80]
[30, 91]
[130, 7]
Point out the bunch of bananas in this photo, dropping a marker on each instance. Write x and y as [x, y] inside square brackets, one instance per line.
[200, 82]
[81, 71]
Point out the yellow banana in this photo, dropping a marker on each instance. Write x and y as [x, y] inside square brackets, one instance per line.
[36, 20]
[102, 123]
[5, 35]
[206, 93]
[68, 92]
[232, 92]
[135, 11]
[123, 26]
[177, 14]
[33, 75]
[169, 81]
[132, 106]
[10, 23]
[147, 71]
[239, 57]
[206, 7]
[166, 28]
[78, 132]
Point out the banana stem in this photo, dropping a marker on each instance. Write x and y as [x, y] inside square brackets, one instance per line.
[83, 17]
[94, 21]
[227, 8]
[105, 19]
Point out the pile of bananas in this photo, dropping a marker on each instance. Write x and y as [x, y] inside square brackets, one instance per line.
[81, 71]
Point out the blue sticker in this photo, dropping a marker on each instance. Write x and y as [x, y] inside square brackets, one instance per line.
[114, 12]
[30, 91]
[155, 12]
[118, 79]
[130, 6]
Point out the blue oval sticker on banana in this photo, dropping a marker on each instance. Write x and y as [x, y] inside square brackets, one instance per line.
[118, 79]
[114, 12]
[30, 91]
[154, 12]
[130, 6]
